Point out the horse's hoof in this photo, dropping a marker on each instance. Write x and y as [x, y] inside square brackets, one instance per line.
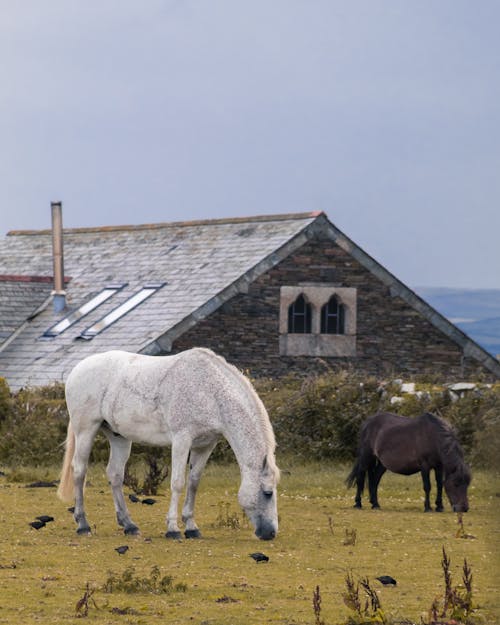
[375, 506]
[192, 534]
[357, 506]
[174, 535]
[84, 531]
[440, 509]
[132, 530]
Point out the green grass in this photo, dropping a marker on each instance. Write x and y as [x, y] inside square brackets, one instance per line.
[44, 574]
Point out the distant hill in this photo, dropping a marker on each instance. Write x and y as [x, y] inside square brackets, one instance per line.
[475, 311]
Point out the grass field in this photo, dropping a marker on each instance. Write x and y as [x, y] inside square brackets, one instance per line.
[44, 573]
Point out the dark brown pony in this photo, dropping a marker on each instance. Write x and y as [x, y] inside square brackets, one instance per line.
[408, 445]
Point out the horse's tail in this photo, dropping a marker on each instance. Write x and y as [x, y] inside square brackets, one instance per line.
[353, 475]
[66, 490]
[363, 447]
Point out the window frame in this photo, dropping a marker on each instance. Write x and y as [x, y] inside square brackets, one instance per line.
[318, 344]
[117, 313]
[295, 315]
[84, 309]
[338, 316]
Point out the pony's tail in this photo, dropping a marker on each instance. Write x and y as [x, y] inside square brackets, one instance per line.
[66, 490]
[353, 475]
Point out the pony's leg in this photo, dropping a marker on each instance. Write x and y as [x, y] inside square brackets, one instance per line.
[360, 487]
[83, 447]
[198, 460]
[374, 476]
[426, 480]
[358, 475]
[180, 453]
[119, 454]
[438, 471]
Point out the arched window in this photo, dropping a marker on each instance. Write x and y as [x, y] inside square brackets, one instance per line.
[299, 316]
[332, 317]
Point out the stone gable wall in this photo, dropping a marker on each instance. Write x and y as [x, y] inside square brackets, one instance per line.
[392, 338]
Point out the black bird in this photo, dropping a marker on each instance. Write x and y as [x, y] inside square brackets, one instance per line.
[387, 580]
[45, 518]
[134, 498]
[41, 484]
[148, 501]
[258, 556]
[121, 550]
[37, 524]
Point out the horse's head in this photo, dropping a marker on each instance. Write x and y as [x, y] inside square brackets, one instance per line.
[455, 485]
[258, 497]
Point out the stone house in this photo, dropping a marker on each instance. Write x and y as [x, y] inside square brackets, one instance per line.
[273, 294]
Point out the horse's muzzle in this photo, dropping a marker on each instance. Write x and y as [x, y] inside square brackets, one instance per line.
[265, 531]
[461, 508]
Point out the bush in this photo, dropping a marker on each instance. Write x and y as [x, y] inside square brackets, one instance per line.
[35, 426]
[313, 418]
[5, 401]
[320, 417]
[33, 431]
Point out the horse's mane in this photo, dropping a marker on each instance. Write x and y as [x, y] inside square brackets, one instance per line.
[264, 420]
[451, 451]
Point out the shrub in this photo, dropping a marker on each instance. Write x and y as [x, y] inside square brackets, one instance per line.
[5, 400]
[316, 417]
[32, 431]
[152, 464]
[320, 416]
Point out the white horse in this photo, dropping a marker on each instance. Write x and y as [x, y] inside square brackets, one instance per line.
[188, 400]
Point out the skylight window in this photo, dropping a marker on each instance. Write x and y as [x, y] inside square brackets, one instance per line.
[83, 310]
[134, 301]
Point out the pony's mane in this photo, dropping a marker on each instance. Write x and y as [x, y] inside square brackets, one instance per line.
[264, 420]
[452, 453]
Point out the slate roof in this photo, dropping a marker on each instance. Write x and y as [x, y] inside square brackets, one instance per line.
[202, 263]
[21, 297]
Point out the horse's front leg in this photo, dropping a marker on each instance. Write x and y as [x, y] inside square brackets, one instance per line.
[426, 480]
[438, 471]
[197, 462]
[180, 453]
[119, 454]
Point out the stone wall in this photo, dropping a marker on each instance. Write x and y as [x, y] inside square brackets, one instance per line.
[391, 337]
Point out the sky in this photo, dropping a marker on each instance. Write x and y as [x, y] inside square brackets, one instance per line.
[384, 114]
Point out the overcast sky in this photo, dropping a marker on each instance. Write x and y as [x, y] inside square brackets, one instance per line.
[384, 114]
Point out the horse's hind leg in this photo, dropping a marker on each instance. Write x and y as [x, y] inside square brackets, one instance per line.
[375, 474]
[438, 471]
[426, 480]
[360, 487]
[197, 462]
[119, 454]
[363, 464]
[83, 447]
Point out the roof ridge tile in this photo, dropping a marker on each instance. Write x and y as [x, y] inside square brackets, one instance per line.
[175, 224]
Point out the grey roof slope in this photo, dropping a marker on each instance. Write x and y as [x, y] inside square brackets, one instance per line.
[203, 263]
[20, 298]
[197, 260]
